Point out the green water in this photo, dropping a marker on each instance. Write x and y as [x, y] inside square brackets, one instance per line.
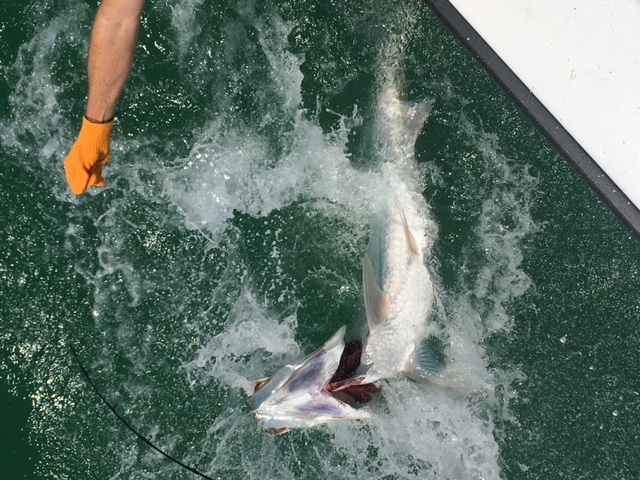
[229, 242]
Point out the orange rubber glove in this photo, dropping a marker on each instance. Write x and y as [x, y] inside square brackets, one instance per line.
[88, 155]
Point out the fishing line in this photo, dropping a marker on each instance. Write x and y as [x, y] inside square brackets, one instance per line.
[113, 407]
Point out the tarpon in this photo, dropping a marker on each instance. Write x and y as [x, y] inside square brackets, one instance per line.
[398, 290]
[398, 294]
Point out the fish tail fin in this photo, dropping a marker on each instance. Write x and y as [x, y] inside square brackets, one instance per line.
[400, 122]
[414, 116]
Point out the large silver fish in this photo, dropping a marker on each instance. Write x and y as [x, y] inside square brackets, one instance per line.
[398, 294]
[398, 290]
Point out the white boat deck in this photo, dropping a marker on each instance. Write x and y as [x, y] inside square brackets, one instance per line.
[581, 59]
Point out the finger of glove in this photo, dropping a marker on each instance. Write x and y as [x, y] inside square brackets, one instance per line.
[76, 173]
[95, 178]
[84, 170]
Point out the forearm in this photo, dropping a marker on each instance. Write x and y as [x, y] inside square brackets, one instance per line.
[113, 42]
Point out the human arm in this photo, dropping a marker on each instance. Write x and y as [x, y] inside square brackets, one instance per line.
[113, 42]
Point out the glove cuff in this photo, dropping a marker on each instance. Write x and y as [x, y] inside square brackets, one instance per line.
[99, 121]
[96, 136]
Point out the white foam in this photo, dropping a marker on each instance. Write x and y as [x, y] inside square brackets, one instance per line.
[230, 171]
[233, 357]
[183, 19]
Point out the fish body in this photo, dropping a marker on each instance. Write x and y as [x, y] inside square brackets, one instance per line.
[398, 293]
[398, 289]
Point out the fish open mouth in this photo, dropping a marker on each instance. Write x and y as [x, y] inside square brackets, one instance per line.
[342, 386]
[318, 389]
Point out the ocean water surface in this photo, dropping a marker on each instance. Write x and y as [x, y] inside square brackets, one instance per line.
[229, 242]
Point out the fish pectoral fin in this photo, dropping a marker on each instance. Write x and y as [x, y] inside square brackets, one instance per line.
[376, 303]
[424, 366]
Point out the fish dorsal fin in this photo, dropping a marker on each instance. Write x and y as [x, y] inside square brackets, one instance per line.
[412, 245]
[376, 303]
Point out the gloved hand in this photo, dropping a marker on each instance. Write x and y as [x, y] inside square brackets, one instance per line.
[91, 152]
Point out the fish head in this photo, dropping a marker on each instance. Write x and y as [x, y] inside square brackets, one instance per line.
[297, 395]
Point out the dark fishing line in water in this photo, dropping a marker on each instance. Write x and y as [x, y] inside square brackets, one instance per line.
[114, 408]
